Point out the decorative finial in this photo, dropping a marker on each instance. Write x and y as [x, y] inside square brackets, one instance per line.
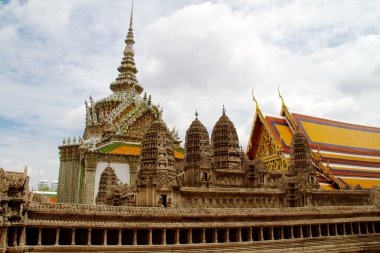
[196, 114]
[254, 100]
[279, 94]
[224, 110]
[131, 19]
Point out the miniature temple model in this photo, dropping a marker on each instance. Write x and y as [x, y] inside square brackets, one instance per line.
[129, 186]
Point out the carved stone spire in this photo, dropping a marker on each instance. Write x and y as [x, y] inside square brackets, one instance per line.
[198, 154]
[225, 144]
[157, 153]
[300, 159]
[126, 79]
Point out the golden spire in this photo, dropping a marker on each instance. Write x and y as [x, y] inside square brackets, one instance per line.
[279, 94]
[254, 100]
[285, 113]
[126, 80]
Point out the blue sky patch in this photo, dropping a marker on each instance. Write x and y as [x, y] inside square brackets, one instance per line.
[8, 123]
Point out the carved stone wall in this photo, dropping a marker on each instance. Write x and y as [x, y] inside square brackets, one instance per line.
[68, 174]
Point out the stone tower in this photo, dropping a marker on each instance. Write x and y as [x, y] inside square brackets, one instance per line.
[115, 127]
[69, 170]
[108, 188]
[302, 177]
[225, 144]
[156, 177]
[197, 166]
[300, 159]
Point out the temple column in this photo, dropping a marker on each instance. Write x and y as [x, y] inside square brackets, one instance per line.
[134, 236]
[57, 231]
[271, 233]
[89, 237]
[227, 235]
[15, 237]
[120, 233]
[90, 169]
[73, 236]
[261, 234]
[319, 230]
[4, 237]
[366, 228]
[239, 235]
[359, 228]
[39, 236]
[105, 237]
[23, 236]
[215, 235]
[177, 236]
[344, 229]
[328, 229]
[150, 232]
[250, 238]
[163, 236]
[190, 236]
[203, 240]
[310, 231]
[301, 232]
[282, 233]
[336, 229]
[373, 227]
[291, 232]
[352, 228]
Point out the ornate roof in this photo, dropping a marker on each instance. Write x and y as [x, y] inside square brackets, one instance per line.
[347, 152]
[133, 149]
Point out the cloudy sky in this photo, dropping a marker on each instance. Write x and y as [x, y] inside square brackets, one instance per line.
[190, 55]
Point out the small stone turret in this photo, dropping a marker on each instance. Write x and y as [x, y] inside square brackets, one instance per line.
[300, 159]
[108, 194]
[198, 155]
[157, 153]
[156, 178]
[225, 144]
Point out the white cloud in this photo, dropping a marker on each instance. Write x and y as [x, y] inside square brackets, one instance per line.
[190, 55]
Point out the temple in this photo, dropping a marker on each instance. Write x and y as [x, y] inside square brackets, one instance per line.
[346, 155]
[115, 126]
[128, 185]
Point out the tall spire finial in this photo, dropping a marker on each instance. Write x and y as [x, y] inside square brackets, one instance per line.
[126, 79]
[254, 100]
[279, 94]
[131, 19]
[196, 114]
[224, 110]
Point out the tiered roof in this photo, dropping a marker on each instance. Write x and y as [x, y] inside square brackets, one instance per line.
[347, 154]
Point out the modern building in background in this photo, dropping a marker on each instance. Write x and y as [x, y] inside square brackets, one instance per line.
[43, 185]
[54, 186]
